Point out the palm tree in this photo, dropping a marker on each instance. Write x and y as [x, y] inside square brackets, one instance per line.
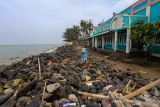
[86, 27]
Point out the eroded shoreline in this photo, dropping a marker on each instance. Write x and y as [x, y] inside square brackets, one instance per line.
[65, 76]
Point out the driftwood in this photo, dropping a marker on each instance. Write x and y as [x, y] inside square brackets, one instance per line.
[90, 81]
[44, 89]
[39, 69]
[114, 96]
[93, 95]
[127, 87]
[146, 87]
[118, 101]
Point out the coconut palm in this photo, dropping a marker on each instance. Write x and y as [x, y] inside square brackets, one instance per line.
[86, 27]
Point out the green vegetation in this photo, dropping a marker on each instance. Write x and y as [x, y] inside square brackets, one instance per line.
[78, 32]
[145, 34]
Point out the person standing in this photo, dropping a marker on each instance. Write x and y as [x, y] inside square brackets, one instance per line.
[84, 55]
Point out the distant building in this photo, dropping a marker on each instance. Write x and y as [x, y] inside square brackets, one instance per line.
[115, 33]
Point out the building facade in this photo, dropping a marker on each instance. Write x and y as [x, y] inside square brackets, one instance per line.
[115, 33]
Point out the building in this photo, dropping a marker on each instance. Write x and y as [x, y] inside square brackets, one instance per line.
[115, 33]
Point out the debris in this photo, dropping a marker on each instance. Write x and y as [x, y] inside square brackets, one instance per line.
[73, 98]
[93, 95]
[127, 87]
[66, 104]
[23, 101]
[107, 89]
[146, 87]
[155, 92]
[87, 78]
[44, 89]
[68, 82]
[39, 68]
[16, 82]
[9, 91]
[52, 87]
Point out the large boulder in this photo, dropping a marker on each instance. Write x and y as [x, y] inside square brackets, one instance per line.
[16, 82]
[73, 98]
[9, 91]
[52, 87]
[23, 101]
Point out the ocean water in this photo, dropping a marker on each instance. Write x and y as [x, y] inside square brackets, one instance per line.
[13, 53]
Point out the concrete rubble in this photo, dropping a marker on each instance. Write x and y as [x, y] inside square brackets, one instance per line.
[60, 77]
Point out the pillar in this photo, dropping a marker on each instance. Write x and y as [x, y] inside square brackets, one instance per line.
[148, 9]
[102, 42]
[148, 12]
[92, 42]
[115, 40]
[128, 40]
[96, 41]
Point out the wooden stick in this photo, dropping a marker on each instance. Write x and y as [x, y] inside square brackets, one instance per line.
[137, 92]
[146, 87]
[134, 86]
[90, 81]
[127, 86]
[39, 66]
[44, 89]
[112, 96]
[93, 95]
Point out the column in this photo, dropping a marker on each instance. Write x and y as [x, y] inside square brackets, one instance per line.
[115, 40]
[148, 12]
[102, 42]
[93, 42]
[128, 39]
[148, 9]
[96, 41]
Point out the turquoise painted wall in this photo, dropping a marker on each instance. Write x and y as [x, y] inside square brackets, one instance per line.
[135, 19]
[121, 42]
[142, 12]
[126, 21]
[154, 49]
[141, 5]
[108, 42]
[155, 12]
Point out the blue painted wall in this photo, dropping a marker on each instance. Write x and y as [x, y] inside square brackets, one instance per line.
[155, 12]
[142, 12]
[141, 5]
[126, 21]
[108, 42]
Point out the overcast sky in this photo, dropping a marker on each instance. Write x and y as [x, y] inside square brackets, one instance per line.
[44, 21]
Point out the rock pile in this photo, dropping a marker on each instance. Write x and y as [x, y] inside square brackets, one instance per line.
[62, 77]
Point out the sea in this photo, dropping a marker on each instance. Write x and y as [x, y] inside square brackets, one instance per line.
[12, 53]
